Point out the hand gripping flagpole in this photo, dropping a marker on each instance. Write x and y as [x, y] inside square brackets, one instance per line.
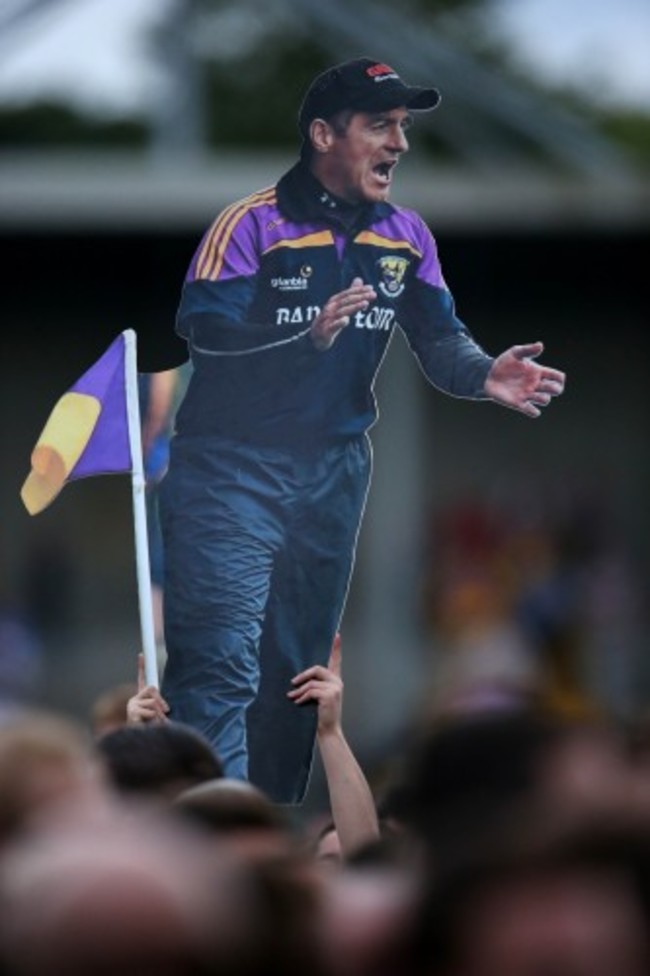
[140, 510]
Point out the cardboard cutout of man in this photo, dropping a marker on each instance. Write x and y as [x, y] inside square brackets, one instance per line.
[288, 307]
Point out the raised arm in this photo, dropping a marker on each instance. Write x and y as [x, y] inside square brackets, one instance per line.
[351, 802]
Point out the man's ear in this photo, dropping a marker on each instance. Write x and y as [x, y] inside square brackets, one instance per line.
[321, 135]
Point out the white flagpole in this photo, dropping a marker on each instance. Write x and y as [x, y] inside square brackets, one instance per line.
[140, 510]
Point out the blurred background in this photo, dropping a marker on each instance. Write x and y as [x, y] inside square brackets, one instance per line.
[498, 554]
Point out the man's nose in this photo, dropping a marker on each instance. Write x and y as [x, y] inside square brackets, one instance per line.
[399, 142]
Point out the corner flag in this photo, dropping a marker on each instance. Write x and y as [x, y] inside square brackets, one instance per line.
[86, 434]
[95, 429]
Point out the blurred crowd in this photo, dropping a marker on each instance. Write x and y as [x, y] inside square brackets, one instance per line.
[506, 832]
[536, 587]
[505, 838]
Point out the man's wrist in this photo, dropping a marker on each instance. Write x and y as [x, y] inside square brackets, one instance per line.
[320, 342]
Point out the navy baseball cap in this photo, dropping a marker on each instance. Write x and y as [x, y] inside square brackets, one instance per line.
[364, 85]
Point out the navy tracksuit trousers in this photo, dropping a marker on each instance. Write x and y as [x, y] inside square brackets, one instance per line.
[259, 546]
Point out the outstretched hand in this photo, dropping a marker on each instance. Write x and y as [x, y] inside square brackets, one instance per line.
[147, 705]
[324, 687]
[517, 382]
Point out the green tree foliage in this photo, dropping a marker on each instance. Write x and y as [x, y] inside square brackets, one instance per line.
[252, 99]
[255, 101]
[49, 124]
[438, 8]
[629, 129]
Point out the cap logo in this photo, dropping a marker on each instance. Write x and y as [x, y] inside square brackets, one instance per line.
[381, 72]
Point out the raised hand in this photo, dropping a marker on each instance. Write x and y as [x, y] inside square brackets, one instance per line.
[324, 687]
[338, 311]
[516, 381]
[147, 705]
[351, 800]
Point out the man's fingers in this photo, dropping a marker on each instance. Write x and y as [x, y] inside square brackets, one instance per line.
[317, 688]
[301, 695]
[354, 297]
[530, 409]
[553, 381]
[529, 350]
[316, 671]
[350, 304]
[551, 384]
[553, 389]
[359, 284]
[153, 696]
[313, 691]
[338, 311]
[148, 711]
[311, 688]
[540, 399]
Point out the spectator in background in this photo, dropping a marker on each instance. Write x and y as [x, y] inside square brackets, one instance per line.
[235, 811]
[47, 770]
[131, 897]
[157, 760]
[468, 780]
[573, 904]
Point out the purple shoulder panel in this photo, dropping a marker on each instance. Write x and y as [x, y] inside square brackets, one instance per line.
[232, 245]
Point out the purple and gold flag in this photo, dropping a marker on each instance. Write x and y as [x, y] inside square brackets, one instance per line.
[86, 434]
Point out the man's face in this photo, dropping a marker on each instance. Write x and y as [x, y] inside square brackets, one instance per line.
[359, 163]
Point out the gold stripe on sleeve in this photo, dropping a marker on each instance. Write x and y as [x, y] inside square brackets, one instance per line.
[369, 237]
[321, 238]
[224, 224]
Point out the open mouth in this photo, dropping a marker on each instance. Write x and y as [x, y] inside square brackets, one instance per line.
[384, 171]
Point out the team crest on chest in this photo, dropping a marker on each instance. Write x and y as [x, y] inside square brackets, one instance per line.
[392, 270]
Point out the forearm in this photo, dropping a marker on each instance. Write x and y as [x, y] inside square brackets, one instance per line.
[161, 398]
[457, 366]
[159, 407]
[222, 318]
[351, 801]
[216, 335]
[448, 355]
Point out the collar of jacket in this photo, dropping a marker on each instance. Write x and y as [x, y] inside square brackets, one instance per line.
[301, 197]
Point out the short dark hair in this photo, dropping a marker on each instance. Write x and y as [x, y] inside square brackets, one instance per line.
[158, 757]
[339, 122]
[226, 805]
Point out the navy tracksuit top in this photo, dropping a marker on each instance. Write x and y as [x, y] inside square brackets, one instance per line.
[261, 274]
